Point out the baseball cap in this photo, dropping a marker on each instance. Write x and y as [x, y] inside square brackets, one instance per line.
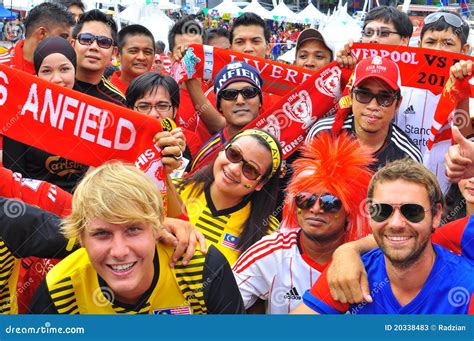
[236, 72]
[312, 34]
[378, 67]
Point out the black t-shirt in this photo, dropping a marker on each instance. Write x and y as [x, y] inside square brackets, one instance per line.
[37, 164]
[397, 145]
[104, 90]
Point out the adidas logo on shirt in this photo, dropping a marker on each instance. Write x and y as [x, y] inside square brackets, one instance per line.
[292, 294]
[409, 111]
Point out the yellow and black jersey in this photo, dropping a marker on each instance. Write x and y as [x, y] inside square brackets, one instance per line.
[33, 232]
[205, 285]
[221, 228]
[9, 268]
[104, 90]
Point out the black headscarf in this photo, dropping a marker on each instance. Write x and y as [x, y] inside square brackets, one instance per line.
[51, 45]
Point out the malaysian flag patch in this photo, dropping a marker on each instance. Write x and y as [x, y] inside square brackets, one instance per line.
[230, 241]
[184, 310]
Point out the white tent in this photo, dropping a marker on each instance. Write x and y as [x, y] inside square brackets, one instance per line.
[283, 13]
[162, 4]
[339, 28]
[227, 6]
[21, 5]
[166, 5]
[258, 9]
[135, 13]
[150, 16]
[310, 14]
[289, 56]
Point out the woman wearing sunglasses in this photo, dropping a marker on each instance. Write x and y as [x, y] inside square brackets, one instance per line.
[232, 199]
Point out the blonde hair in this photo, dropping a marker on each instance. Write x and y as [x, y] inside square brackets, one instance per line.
[117, 193]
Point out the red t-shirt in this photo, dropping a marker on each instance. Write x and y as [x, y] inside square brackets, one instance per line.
[188, 118]
[47, 197]
[14, 58]
[193, 141]
[115, 80]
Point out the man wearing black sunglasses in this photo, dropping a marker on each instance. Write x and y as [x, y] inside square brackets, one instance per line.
[239, 99]
[94, 38]
[321, 212]
[375, 97]
[407, 273]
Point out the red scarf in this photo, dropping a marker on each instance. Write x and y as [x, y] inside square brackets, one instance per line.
[293, 115]
[454, 92]
[306, 95]
[77, 126]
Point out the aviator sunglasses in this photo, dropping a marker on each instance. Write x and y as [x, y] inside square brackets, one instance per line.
[329, 203]
[380, 212]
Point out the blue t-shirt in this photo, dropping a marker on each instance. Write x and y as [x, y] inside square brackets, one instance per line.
[448, 289]
[467, 245]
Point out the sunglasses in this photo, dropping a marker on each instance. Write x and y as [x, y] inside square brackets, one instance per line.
[247, 92]
[449, 18]
[380, 212]
[383, 99]
[234, 155]
[327, 202]
[88, 39]
[369, 32]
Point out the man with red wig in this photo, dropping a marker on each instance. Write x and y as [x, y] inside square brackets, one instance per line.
[321, 212]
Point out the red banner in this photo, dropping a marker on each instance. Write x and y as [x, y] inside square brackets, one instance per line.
[419, 68]
[76, 126]
[294, 114]
[202, 61]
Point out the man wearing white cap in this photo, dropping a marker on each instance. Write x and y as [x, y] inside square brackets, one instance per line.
[375, 97]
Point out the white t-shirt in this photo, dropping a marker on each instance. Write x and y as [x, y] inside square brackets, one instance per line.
[276, 270]
[415, 117]
[416, 113]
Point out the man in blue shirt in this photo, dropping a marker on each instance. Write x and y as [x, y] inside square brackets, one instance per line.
[407, 274]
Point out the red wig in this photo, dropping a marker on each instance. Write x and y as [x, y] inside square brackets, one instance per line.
[337, 165]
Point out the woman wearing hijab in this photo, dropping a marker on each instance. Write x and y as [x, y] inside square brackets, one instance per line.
[54, 61]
